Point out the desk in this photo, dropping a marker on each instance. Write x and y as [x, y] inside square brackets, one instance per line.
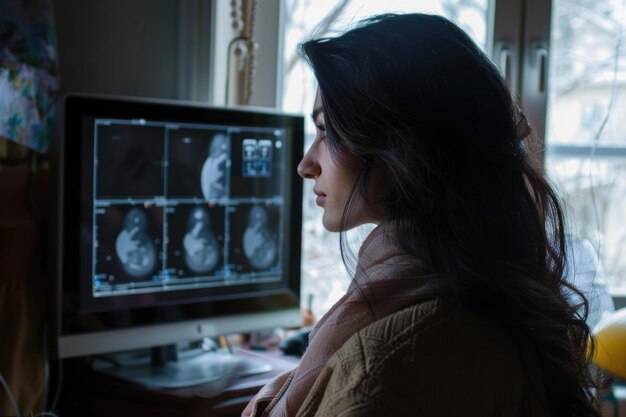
[89, 393]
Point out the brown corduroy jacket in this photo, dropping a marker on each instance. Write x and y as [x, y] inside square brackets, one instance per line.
[431, 359]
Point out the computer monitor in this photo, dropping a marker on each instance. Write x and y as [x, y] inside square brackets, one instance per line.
[178, 221]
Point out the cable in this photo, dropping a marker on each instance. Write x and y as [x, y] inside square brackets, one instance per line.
[59, 382]
[46, 367]
[252, 46]
[57, 391]
[14, 404]
[10, 395]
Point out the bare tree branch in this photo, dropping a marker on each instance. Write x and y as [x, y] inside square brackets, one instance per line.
[322, 29]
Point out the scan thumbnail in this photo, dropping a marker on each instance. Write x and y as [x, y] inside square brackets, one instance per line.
[198, 164]
[129, 161]
[256, 164]
[195, 240]
[254, 239]
[128, 244]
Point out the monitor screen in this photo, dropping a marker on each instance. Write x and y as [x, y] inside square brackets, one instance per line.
[178, 221]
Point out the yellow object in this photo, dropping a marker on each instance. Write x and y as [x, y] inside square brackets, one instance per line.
[611, 344]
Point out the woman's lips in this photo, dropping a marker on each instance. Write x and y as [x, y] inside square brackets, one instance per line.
[320, 197]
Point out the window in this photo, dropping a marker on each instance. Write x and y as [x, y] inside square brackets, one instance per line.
[585, 138]
[566, 62]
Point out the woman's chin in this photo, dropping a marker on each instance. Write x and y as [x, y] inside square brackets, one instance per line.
[331, 224]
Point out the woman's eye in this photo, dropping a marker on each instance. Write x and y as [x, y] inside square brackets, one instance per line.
[322, 130]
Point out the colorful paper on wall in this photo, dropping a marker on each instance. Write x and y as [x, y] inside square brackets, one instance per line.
[29, 82]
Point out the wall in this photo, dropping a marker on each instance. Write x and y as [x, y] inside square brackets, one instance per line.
[124, 47]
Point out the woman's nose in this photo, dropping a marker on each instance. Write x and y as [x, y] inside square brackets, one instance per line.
[308, 167]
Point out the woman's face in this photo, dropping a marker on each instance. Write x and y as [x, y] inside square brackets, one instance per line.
[333, 181]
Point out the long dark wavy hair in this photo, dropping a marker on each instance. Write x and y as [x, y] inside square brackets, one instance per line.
[412, 96]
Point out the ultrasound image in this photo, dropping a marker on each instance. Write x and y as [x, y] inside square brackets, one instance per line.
[256, 165]
[129, 161]
[254, 238]
[128, 243]
[211, 229]
[213, 178]
[198, 164]
[196, 240]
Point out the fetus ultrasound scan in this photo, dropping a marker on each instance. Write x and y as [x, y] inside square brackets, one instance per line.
[254, 239]
[129, 161]
[180, 207]
[256, 164]
[198, 164]
[213, 177]
[128, 245]
[196, 240]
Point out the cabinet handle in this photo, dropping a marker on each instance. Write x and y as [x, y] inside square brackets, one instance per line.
[539, 60]
[504, 61]
[542, 56]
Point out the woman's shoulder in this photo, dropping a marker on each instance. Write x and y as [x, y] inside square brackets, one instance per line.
[436, 327]
[435, 356]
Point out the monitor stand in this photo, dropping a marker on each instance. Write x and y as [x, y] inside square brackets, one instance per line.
[170, 367]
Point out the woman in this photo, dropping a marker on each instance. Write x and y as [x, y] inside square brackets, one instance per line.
[458, 305]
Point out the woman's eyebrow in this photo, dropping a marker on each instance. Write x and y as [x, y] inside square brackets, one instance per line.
[316, 112]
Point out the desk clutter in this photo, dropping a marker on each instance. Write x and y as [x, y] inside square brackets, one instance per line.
[168, 381]
[89, 392]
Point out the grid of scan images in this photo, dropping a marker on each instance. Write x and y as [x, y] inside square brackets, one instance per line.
[185, 206]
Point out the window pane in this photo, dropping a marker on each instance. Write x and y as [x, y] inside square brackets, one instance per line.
[593, 193]
[585, 138]
[323, 274]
